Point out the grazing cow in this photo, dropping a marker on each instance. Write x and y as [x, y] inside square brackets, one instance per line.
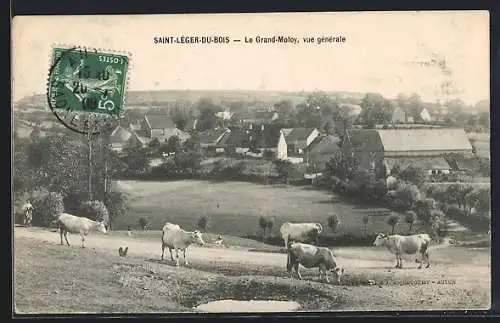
[412, 244]
[75, 224]
[174, 237]
[311, 256]
[304, 232]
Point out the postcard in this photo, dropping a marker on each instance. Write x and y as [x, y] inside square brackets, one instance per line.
[251, 163]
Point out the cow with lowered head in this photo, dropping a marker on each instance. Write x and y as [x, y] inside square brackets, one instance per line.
[311, 256]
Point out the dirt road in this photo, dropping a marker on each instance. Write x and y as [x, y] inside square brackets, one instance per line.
[463, 266]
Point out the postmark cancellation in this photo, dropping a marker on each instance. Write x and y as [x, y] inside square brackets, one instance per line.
[86, 87]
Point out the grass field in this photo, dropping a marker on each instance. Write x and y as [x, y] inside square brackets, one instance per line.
[239, 207]
[49, 278]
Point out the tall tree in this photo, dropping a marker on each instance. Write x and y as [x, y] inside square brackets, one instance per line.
[286, 111]
[207, 110]
[375, 109]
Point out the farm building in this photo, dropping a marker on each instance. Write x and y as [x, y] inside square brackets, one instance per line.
[424, 148]
[236, 141]
[297, 139]
[422, 115]
[122, 137]
[321, 149]
[273, 140]
[256, 118]
[191, 124]
[210, 138]
[159, 126]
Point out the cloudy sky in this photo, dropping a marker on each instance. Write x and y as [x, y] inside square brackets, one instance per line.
[380, 54]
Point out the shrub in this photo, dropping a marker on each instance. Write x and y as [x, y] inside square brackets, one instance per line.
[408, 193]
[263, 225]
[455, 194]
[217, 167]
[333, 222]
[94, 210]
[393, 220]
[267, 154]
[116, 203]
[414, 175]
[269, 225]
[485, 166]
[430, 203]
[410, 218]
[443, 207]
[395, 170]
[423, 211]
[437, 192]
[203, 223]
[351, 189]
[284, 168]
[365, 182]
[454, 212]
[143, 223]
[477, 223]
[334, 182]
[380, 190]
[483, 203]
[46, 208]
[365, 220]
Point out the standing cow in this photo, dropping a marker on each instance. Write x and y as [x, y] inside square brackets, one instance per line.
[303, 232]
[75, 224]
[174, 237]
[311, 256]
[399, 245]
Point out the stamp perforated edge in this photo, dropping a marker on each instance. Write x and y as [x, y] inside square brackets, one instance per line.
[101, 50]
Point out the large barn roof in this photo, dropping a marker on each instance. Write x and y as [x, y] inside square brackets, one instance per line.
[159, 121]
[424, 139]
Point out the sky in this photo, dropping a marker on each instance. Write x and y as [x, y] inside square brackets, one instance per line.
[380, 53]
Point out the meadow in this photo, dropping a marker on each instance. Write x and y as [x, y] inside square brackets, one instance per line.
[234, 208]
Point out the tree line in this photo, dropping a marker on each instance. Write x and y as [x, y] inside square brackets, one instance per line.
[329, 114]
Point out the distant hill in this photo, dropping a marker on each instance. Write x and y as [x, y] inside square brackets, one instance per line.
[156, 98]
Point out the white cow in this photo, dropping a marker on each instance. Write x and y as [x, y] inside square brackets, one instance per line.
[412, 244]
[311, 256]
[303, 232]
[76, 224]
[174, 237]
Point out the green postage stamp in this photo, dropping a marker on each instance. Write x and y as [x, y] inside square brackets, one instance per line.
[86, 87]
